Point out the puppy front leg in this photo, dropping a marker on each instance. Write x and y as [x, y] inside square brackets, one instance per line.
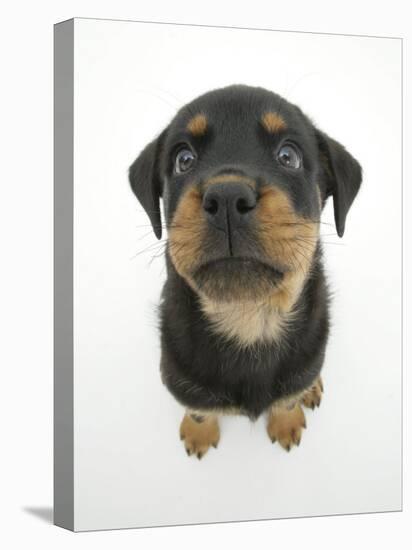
[199, 431]
[312, 396]
[285, 423]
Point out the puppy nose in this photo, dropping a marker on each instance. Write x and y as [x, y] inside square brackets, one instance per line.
[229, 203]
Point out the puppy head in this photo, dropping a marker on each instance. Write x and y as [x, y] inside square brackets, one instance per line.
[244, 176]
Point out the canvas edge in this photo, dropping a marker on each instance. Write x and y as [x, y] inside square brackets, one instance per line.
[63, 482]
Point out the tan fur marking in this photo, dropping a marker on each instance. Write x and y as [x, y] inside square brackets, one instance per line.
[312, 397]
[286, 422]
[286, 238]
[246, 322]
[197, 125]
[290, 240]
[230, 178]
[186, 233]
[273, 122]
[199, 436]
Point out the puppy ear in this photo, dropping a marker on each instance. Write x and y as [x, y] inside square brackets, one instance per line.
[343, 176]
[145, 180]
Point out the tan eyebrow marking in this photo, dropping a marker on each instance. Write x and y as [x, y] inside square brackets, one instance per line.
[197, 125]
[273, 122]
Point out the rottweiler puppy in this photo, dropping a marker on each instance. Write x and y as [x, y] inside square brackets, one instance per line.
[244, 176]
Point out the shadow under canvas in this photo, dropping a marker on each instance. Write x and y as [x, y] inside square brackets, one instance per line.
[44, 513]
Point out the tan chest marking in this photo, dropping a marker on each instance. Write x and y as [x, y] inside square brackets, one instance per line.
[248, 322]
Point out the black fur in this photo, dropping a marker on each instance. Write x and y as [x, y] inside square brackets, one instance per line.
[202, 369]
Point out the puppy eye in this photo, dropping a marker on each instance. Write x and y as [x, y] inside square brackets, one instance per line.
[289, 156]
[184, 161]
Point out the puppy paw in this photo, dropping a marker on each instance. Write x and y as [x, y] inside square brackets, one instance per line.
[312, 397]
[199, 433]
[285, 425]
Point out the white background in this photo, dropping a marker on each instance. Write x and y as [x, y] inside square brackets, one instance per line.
[27, 218]
[130, 466]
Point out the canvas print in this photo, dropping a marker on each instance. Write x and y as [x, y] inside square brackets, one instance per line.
[227, 274]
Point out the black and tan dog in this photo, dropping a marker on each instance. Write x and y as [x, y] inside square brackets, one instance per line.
[244, 176]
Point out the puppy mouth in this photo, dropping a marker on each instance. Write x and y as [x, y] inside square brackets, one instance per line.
[231, 279]
[241, 262]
